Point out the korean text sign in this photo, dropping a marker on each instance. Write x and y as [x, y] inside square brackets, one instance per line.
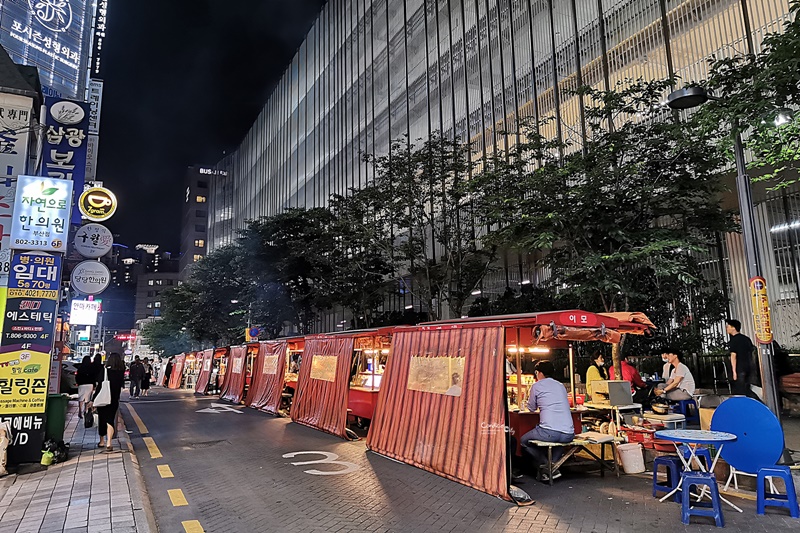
[65, 141]
[41, 214]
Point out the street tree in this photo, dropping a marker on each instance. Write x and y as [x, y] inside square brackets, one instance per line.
[166, 338]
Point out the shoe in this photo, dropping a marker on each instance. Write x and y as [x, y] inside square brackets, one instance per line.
[101, 445]
[516, 474]
[80, 415]
[556, 475]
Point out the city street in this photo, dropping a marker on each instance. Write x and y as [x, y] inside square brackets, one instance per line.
[229, 471]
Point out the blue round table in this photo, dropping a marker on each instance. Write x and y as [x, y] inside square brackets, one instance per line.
[692, 438]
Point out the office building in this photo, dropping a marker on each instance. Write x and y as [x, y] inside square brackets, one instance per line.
[194, 217]
[371, 71]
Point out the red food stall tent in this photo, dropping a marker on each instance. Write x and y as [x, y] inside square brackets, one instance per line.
[269, 372]
[233, 384]
[176, 377]
[205, 360]
[442, 404]
[322, 384]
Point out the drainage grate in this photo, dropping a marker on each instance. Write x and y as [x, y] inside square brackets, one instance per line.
[207, 444]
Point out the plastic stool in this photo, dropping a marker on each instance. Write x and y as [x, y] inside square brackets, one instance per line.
[684, 407]
[788, 500]
[700, 453]
[674, 466]
[690, 508]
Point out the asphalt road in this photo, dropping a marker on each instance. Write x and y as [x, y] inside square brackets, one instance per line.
[229, 465]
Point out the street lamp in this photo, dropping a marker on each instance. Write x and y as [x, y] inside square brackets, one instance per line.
[691, 97]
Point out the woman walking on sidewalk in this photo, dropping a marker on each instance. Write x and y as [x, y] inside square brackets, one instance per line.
[148, 373]
[85, 379]
[107, 414]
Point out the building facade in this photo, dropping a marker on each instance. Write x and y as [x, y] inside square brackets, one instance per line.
[194, 217]
[373, 71]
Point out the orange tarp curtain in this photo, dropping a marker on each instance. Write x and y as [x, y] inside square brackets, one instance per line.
[269, 370]
[177, 372]
[322, 386]
[233, 385]
[206, 360]
[633, 318]
[461, 437]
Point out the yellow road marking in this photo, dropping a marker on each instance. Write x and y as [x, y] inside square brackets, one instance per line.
[165, 471]
[192, 526]
[155, 453]
[177, 498]
[137, 419]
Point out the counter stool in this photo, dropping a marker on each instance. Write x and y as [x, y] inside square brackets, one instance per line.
[688, 408]
[700, 453]
[673, 466]
[689, 508]
[788, 500]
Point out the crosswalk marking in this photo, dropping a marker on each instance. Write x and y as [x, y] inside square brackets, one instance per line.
[177, 498]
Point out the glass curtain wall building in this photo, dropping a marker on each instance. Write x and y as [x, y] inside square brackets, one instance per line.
[371, 71]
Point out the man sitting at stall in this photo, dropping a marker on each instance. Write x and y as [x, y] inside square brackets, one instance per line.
[555, 419]
[680, 382]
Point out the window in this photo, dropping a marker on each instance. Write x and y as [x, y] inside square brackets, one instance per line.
[197, 257]
[200, 229]
[201, 199]
[159, 282]
[157, 304]
[200, 243]
[150, 282]
[150, 305]
[200, 213]
[202, 185]
[169, 282]
[150, 294]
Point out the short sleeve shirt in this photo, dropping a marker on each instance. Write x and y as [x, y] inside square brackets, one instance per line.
[742, 346]
[681, 370]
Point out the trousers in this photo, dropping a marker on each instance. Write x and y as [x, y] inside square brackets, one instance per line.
[537, 453]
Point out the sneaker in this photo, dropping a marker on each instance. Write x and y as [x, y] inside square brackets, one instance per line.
[556, 475]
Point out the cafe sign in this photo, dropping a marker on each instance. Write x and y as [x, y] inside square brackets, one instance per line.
[97, 204]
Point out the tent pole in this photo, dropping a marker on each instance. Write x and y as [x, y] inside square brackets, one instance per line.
[572, 374]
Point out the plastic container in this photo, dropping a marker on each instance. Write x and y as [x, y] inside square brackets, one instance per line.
[631, 457]
[645, 437]
[56, 415]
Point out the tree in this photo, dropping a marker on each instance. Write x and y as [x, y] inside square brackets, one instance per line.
[166, 338]
[419, 203]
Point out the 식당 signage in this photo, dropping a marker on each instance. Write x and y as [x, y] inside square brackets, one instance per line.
[97, 204]
[41, 214]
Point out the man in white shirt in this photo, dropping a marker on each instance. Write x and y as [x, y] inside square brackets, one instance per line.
[680, 382]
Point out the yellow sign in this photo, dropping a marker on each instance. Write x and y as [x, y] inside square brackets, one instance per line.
[23, 381]
[33, 293]
[324, 367]
[761, 315]
[98, 204]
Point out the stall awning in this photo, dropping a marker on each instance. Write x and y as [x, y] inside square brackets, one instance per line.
[233, 384]
[269, 370]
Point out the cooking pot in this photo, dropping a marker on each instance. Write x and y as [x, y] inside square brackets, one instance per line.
[660, 408]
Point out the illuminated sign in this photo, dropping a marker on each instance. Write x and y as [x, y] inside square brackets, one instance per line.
[100, 26]
[84, 313]
[50, 35]
[41, 214]
[15, 124]
[761, 314]
[212, 172]
[97, 204]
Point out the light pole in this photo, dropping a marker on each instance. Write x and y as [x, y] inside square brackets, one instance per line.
[691, 97]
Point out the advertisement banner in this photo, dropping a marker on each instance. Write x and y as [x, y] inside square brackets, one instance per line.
[15, 123]
[95, 105]
[41, 214]
[8, 192]
[84, 313]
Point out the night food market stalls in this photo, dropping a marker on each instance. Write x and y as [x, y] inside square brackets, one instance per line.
[176, 377]
[204, 361]
[443, 404]
[270, 373]
[233, 382]
[323, 385]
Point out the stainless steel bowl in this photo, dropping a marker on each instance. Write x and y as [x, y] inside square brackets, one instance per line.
[660, 408]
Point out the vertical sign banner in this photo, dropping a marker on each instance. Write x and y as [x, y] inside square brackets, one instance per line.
[41, 214]
[93, 140]
[25, 346]
[761, 314]
[65, 143]
[100, 26]
[8, 192]
[15, 124]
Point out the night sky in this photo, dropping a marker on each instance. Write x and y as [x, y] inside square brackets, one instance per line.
[184, 81]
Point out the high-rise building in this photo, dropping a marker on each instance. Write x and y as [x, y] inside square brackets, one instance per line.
[372, 71]
[195, 216]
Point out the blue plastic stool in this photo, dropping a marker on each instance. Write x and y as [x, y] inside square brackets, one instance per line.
[690, 508]
[788, 500]
[674, 467]
[688, 408]
[700, 453]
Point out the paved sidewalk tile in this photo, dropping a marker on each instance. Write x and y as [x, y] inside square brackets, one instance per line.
[81, 494]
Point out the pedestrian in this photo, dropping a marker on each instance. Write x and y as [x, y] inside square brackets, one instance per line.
[85, 378]
[135, 375]
[168, 372]
[741, 349]
[97, 362]
[107, 414]
[148, 372]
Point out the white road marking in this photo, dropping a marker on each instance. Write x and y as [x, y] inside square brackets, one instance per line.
[330, 458]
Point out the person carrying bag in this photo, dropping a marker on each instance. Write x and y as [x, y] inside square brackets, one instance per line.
[106, 398]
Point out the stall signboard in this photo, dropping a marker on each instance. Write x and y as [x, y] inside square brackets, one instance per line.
[41, 214]
[97, 204]
[90, 277]
[65, 144]
[93, 241]
[761, 314]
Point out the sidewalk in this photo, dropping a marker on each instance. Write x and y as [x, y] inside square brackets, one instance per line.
[85, 494]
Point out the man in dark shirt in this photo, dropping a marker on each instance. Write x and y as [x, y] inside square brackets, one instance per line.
[135, 375]
[741, 348]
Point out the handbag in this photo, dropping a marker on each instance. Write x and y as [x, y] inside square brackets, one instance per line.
[103, 397]
[88, 420]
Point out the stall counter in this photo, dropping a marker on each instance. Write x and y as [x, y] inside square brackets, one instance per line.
[521, 422]
[361, 402]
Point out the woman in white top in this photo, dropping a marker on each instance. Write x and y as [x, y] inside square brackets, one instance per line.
[680, 382]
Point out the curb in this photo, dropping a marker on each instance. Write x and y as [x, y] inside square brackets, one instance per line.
[139, 496]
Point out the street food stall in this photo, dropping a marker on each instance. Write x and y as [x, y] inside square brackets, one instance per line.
[234, 378]
[270, 374]
[445, 401]
[250, 360]
[205, 359]
[324, 382]
[176, 377]
[371, 352]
